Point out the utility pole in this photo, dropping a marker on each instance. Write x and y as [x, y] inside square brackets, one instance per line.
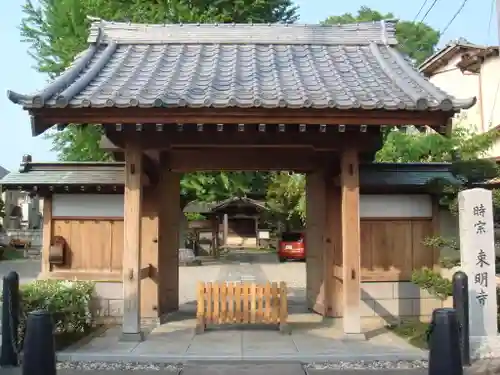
[498, 21]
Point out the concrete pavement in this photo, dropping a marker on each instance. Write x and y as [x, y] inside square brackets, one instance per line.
[28, 269]
[231, 369]
[313, 338]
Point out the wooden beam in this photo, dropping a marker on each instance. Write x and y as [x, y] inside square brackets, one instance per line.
[351, 241]
[185, 160]
[132, 244]
[151, 169]
[168, 237]
[102, 276]
[436, 231]
[146, 272]
[47, 233]
[333, 245]
[169, 138]
[225, 229]
[47, 117]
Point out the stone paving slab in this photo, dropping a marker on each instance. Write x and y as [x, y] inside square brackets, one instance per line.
[178, 343]
[369, 372]
[243, 369]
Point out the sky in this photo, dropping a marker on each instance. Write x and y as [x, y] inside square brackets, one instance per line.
[476, 22]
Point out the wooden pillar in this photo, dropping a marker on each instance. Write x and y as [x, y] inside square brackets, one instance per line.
[46, 234]
[351, 249]
[215, 234]
[436, 231]
[168, 237]
[132, 244]
[149, 252]
[225, 228]
[317, 280]
[332, 262]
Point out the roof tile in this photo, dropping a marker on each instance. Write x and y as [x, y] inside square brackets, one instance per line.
[295, 66]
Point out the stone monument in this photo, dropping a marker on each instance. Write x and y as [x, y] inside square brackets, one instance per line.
[477, 255]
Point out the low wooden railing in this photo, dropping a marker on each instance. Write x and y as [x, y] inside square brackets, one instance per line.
[242, 303]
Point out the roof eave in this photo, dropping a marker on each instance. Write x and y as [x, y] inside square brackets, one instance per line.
[431, 64]
[428, 66]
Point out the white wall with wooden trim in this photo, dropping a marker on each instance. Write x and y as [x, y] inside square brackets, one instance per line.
[395, 206]
[371, 205]
[87, 205]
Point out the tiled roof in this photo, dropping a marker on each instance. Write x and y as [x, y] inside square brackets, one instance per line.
[408, 174]
[66, 174]
[204, 207]
[376, 175]
[296, 66]
[199, 207]
[3, 172]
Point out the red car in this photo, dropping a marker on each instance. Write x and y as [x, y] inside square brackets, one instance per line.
[292, 246]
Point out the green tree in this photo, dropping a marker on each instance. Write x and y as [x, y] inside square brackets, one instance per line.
[57, 30]
[217, 186]
[465, 149]
[2, 207]
[416, 39]
[286, 200]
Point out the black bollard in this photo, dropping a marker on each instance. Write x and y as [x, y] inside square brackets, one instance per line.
[10, 320]
[39, 349]
[444, 343]
[461, 305]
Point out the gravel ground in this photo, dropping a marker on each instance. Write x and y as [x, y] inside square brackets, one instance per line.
[368, 365]
[340, 365]
[118, 366]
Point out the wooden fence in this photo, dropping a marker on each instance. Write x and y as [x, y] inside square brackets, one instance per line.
[247, 303]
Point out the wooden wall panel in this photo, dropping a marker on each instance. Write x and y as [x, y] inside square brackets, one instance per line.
[392, 249]
[116, 245]
[89, 243]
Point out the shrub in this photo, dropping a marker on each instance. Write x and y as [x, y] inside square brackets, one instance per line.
[432, 282]
[68, 301]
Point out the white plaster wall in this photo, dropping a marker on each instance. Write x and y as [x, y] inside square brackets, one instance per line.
[451, 79]
[485, 86]
[394, 205]
[490, 85]
[87, 205]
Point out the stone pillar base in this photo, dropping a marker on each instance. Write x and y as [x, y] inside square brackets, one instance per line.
[482, 347]
[132, 337]
[354, 337]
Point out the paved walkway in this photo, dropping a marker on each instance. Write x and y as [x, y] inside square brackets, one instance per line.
[313, 338]
[176, 342]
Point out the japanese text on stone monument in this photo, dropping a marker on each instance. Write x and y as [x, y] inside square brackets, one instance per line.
[482, 261]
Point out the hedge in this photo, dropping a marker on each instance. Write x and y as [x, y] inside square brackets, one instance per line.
[68, 301]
